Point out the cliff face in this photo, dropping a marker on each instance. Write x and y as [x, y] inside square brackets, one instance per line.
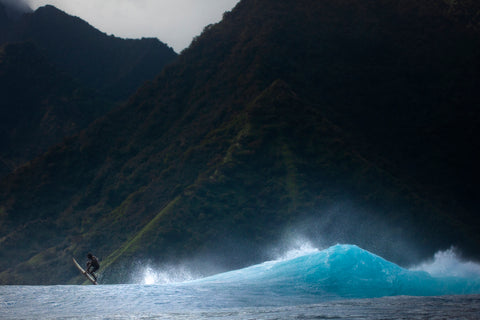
[345, 121]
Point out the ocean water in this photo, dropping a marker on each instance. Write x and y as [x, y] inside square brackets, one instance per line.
[341, 282]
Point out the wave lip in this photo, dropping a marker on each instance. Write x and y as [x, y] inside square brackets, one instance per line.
[345, 271]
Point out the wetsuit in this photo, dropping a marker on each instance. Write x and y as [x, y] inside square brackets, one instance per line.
[92, 266]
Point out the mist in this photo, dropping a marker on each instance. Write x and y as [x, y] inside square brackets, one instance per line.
[16, 7]
[343, 223]
[449, 263]
[174, 23]
[348, 223]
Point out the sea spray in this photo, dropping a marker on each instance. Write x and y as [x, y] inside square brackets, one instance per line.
[149, 275]
[297, 248]
[448, 264]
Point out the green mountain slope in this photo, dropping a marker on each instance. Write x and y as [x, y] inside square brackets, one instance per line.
[39, 105]
[334, 119]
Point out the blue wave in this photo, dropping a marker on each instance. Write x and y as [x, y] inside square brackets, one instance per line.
[345, 271]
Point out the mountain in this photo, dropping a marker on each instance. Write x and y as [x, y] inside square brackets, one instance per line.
[10, 11]
[4, 22]
[338, 121]
[40, 105]
[58, 74]
[108, 64]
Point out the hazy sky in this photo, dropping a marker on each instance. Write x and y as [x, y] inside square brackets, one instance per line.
[174, 22]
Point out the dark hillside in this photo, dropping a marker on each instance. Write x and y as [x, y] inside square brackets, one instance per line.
[3, 15]
[10, 11]
[4, 23]
[348, 120]
[39, 105]
[58, 74]
[111, 65]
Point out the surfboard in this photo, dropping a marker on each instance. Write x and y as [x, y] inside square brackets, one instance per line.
[88, 276]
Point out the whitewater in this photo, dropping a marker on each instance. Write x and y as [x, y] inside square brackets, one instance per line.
[340, 282]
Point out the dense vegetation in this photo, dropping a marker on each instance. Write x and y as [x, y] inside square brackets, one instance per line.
[342, 120]
[40, 105]
[58, 74]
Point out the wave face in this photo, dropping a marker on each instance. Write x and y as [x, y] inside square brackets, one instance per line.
[341, 271]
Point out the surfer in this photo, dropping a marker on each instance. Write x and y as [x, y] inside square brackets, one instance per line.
[92, 265]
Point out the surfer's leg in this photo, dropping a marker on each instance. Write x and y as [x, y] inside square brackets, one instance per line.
[93, 274]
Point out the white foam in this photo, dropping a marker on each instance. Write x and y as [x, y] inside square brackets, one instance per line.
[448, 264]
[298, 248]
[150, 276]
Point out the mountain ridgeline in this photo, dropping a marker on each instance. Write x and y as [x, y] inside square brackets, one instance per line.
[341, 120]
[58, 74]
[111, 65]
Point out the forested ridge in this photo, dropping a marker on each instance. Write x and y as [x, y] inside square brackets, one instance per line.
[58, 74]
[341, 121]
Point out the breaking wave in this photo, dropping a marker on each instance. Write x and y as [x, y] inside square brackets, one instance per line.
[347, 271]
